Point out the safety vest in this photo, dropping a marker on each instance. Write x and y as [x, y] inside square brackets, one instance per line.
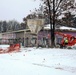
[66, 41]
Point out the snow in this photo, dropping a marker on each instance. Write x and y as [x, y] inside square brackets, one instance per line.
[4, 46]
[61, 27]
[68, 28]
[39, 61]
[47, 26]
[61, 16]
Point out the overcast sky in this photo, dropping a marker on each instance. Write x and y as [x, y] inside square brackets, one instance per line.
[16, 9]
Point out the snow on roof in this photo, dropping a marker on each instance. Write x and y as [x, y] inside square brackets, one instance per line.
[61, 27]
[47, 26]
[67, 28]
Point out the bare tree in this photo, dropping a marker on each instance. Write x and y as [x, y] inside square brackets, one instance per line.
[3, 25]
[53, 9]
[13, 25]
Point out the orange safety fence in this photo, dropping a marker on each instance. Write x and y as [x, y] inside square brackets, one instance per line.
[12, 48]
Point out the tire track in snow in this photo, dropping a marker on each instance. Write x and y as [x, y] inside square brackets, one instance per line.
[65, 68]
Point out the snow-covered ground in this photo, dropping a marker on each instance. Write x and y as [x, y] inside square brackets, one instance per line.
[39, 61]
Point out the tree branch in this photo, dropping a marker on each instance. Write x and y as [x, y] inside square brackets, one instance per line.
[58, 5]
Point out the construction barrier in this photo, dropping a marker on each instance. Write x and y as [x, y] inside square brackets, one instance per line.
[12, 48]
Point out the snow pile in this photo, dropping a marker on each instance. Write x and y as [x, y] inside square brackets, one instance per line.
[41, 61]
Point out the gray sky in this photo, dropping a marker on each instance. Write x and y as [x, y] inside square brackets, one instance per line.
[16, 9]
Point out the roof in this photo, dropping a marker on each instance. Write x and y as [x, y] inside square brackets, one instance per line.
[47, 27]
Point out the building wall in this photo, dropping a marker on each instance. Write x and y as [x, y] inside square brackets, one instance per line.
[0, 36]
[30, 40]
[42, 38]
[19, 35]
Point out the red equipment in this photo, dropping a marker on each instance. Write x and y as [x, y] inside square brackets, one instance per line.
[14, 48]
[71, 39]
[11, 48]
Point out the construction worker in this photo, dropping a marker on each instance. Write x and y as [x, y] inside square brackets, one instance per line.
[65, 41]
